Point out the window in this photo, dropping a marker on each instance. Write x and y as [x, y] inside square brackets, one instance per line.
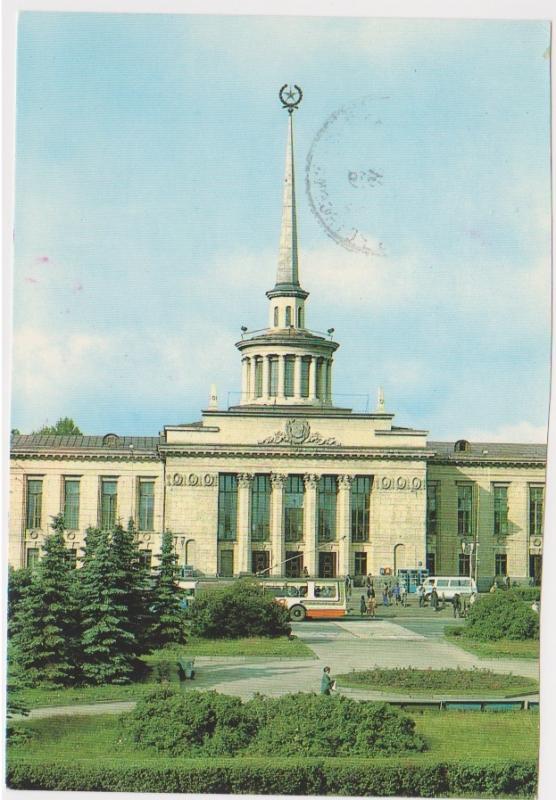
[299, 317]
[146, 558]
[293, 566]
[260, 561]
[146, 505]
[260, 508]
[465, 496]
[258, 377]
[464, 565]
[305, 362]
[273, 364]
[71, 555]
[326, 508]
[32, 557]
[34, 503]
[360, 564]
[275, 316]
[227, 506]
[433, 491]
[431, 563]
[461, 446]
[293, 508]
[289, 368]
[108, 500]
[226, 563]
[536, 503]
[500, 565]
[288, 316]
[500, 510]
[71, 503]
[360, 508]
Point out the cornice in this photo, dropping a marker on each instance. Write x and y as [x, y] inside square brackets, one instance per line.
[485, 462]
[82, 455]
[297, 452]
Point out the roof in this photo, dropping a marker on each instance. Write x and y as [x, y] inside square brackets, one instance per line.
[34, 441]
[489, 451]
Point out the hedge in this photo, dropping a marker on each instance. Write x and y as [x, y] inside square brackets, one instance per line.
[294, 777]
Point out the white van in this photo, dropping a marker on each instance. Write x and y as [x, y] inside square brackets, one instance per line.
[447, 587]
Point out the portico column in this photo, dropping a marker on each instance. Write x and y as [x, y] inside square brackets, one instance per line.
[343, 523]
[297, 378]
[266, 372]
[243, 522]
[281, 378]
[252, 373]
[276, 524]
[329, 380]
[310, 559]
[244, 379]
[313, 379]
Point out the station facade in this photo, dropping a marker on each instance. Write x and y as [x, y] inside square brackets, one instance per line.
[287, 483]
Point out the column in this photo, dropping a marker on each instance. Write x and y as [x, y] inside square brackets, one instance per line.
[310, 524]
[266, 373]
[277, 554]
[243, 527]
[297, 378]
[313, 379]
[244, 380]
[281, 378]
[252, 372]
[329, 380]
[343, 527]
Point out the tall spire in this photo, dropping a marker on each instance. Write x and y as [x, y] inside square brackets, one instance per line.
[287, 274]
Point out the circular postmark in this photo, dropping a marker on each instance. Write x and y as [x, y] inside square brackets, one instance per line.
[341, 179]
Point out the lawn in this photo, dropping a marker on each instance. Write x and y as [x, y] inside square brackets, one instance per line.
[251, 647]
[452, 682]
[502, 648]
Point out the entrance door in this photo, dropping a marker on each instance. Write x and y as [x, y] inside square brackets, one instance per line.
[535, 568]
[327, 565]
[260, 561]
[226, 563]
[294, 564]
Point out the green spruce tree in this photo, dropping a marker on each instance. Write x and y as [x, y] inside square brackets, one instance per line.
[45, 625]
[168, 616]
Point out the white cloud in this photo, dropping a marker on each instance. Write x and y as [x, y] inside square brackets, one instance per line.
[523, 432]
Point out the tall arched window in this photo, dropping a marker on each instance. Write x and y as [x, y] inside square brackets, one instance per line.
[288, 316]
[275, 316]
[299, 317]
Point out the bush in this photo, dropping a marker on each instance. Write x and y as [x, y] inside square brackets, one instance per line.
[527, 592]
[241, 609]
[502, 615]
[409, 678]
[297, 776]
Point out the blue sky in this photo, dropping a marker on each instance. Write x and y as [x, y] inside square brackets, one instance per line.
[150, 156]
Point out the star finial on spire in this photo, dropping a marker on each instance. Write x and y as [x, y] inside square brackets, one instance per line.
[291, 98]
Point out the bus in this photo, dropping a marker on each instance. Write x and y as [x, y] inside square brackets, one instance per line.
[309, 598]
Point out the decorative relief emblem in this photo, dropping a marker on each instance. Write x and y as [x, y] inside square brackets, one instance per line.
[400, 483]
[190, 479]
[298, 432]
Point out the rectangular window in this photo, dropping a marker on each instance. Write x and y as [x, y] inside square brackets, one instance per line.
[360, 564]
[500, 565]
[500, 510]
[465, 502]
[433, 491]
[34, 503]
[260, 508]
[293, 508]
[108, 501]
[464, 565]
[146, 505]
[320, 379]
[536, 504]
[431, 563]
[71, 503]
[258, 377]
[226, 563]
[227, 507]
[360, 508]
[72, 558]
[32, 557]
[260, 562]
[326, 508]
[305, 362]
[293, 566]
[289, 370]
[146, 557]
[273, 376]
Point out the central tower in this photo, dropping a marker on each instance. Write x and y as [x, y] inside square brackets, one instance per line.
[286, 364]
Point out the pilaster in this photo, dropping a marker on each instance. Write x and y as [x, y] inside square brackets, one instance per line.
[276, 524]
[343, 523]
[297, 378]
[310, 523]
[266, 375]
[281, 378]
[313, 379]
[244, 480]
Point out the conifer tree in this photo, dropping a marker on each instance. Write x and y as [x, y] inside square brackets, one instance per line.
[45, 637]
[169, 618]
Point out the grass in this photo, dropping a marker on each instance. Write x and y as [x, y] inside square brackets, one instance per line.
[279, 647]
[478, 736]
[502, 648]
[452, 682]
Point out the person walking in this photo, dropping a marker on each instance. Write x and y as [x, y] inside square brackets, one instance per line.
[369, 591]
[371, 607]
[434, 599]
[403, 595]
[396, 593]
[326, 683]
[456, 607]
[385, 595]
[348, 585]
[362, 605]
[420, 592]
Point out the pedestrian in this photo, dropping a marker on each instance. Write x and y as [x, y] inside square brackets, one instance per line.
[371, 607]
[420, 591]
[305, 572]
[434, 599]
[493, 587]
[348, 585]
[456, 605]
[326, 683]
[373, 594]
[403, 595]
[396, 593]
[369, 591]
[507, 581]
[369, 582]
[472, 598]
[385, 595]
[362, 605]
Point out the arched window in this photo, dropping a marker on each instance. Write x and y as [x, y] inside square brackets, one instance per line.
[461, 446]
[299, 317]
[275, 316]
[288, 316]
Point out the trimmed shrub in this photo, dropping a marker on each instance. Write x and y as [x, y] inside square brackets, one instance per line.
[409, 678]
[502, 615]
[527, 592]
[242, 609]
